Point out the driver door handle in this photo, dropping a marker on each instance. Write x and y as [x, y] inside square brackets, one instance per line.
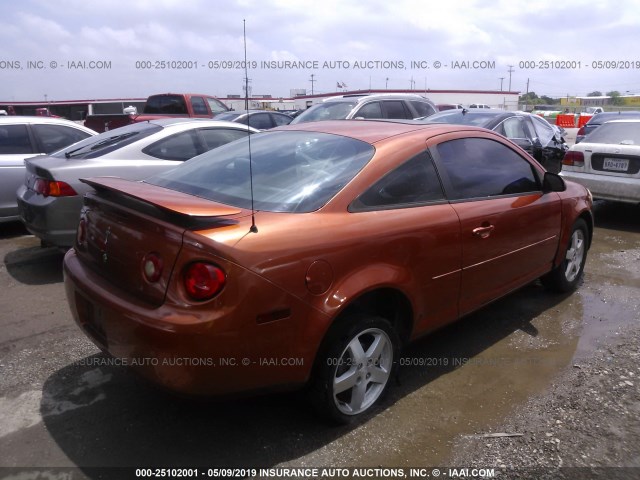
[484, 231]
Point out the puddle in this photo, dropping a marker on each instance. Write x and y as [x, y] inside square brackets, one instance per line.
[468, 377]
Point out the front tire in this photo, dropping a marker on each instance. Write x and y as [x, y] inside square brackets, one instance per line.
[354, 368]
[566, 276]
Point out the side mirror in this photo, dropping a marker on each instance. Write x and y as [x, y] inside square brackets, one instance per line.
[553, 182]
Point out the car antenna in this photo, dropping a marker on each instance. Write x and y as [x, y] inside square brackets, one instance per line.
[254, 228]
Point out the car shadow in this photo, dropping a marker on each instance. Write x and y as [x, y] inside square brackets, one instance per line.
[35, 265]
[617, 216]
[12, 230]
[102, 415]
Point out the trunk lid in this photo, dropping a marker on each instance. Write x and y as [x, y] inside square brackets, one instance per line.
[125, 225]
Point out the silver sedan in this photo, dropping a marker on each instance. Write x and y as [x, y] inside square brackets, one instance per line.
[24, 137]
[51, 198]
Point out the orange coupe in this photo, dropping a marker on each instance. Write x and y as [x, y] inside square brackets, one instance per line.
[310, 254]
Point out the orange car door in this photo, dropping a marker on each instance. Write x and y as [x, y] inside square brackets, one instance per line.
[510, 228]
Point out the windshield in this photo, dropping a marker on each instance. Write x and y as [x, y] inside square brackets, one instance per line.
[292, 171]
[457, 117]
[617, 133]
[325, 111]
[106, 142]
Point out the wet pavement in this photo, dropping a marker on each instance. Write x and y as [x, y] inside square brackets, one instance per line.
[60, 405]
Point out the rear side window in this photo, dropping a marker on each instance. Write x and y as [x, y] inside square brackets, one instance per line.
[14, 139]
[479, 168]
[261, 121]
[55, 137]
[215, 137]
[411, 184]
[422, 108]
[279, 119]
[181, 146]
[199, 107]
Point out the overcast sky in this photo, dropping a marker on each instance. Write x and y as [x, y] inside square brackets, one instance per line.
[42, 44]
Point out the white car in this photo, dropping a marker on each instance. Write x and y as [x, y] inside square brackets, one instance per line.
[25, 137]
[51, 195]
[607, 162]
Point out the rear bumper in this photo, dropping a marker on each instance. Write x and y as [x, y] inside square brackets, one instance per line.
[607, 187]
[222, 350]
[52, 219]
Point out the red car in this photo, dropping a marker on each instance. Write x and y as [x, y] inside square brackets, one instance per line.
[312, 255]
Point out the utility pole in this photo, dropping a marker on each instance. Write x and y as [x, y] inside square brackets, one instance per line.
[386, 84]
[501, 79]
[412, 83]
[312, 80]
[247, 92]
[511, 70]
[527, 96]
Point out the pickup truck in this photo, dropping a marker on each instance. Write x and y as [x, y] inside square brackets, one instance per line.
[164, 105]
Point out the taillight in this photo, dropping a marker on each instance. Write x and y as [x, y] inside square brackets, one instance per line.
[152, 267]
[203, 281]
[581, 131]
[52, 188]
[573, 159]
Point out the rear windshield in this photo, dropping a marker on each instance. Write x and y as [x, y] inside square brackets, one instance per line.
[325, 111]
[166, 105]
[292, 171]
[228, 116]
[106, 142]
[618, 133]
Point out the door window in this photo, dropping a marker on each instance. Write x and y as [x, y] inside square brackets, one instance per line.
[480, 168]
[396, 109]
[14, 139]
[370, 110]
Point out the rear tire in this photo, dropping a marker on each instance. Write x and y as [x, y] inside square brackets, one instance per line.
[566, 276]
[354, 368]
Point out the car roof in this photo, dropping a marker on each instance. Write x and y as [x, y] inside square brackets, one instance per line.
[603, 115]
[625, 120]
[473, 112]
[165, 122]
[372, 131]
[358, 98]
[244, 112]
[35, 119]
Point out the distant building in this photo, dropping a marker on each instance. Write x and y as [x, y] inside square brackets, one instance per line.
[77, 110]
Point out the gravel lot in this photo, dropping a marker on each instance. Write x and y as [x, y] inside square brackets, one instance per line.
[560, 371]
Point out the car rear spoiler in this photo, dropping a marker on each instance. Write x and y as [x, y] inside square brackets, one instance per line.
[171, 201]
